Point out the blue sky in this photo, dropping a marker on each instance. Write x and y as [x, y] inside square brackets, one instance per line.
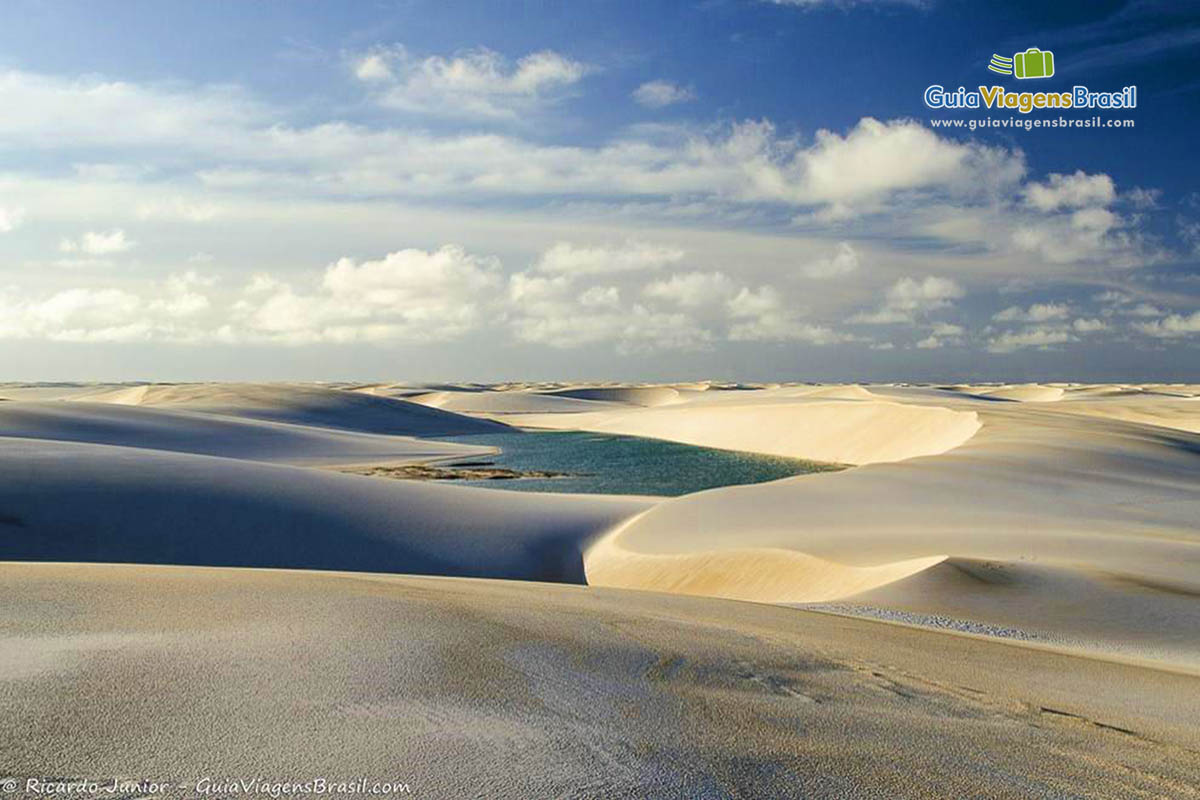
[733, 189]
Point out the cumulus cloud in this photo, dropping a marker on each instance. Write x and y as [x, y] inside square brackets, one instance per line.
[843, 262]
[1038, 312]
[1173, 326]
[909, 298]
[472, 83]
[1089, 325]
[162, 311]
[660, 93]
[412, 295]
[763, 315]
[98, 243]
[374, 67]
[1039, 337]
[1078, 190]
[692, 289]
[941, 335]
[855, 172]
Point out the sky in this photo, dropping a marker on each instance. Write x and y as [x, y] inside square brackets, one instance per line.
[523, 189]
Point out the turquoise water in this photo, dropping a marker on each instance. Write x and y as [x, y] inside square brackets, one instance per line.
[608, 464]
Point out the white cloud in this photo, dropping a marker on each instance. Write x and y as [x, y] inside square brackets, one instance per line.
[1142, 310]
[1038, 312]
[1089, 325]
[94, 243]
[1087, 234]
[1040, 337]
[692, 289]
[909, 298]
[75, 113]
[11, 218]
[843, 262]
[373, 67]
[1189, 232]
[763, 315]
[942, 333]
[1078, 190]
[410, 295]
[473, 83]
[856, 172]
[105, 314]
[182, 296]
[1173, 326]
[660, 93]
[565, 258]
[236, 145]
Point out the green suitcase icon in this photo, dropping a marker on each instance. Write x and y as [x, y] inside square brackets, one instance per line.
[1033, 63]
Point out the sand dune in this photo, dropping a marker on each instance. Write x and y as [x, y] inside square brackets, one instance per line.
[512, 402]
[1052, 546]
[485, 688]
[1125, 615]
[1036, 483]
[302, 405]
[204, 434]
[1031, 393]
[62, 501]
[758, 574]
[633, 395]
[836, 431]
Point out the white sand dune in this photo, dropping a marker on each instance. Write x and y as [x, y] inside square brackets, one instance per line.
[298, 404]
[743, 573]
[1037, 483]
[205, 434]
[1029, 393]
[632, 395]
[773, 422]
[1181, 412]
[1122, 614]
[512, 402]
[466, 688]
[1055, 547]
[66, 501]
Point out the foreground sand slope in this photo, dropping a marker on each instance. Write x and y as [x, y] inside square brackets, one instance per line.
[467, 688]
